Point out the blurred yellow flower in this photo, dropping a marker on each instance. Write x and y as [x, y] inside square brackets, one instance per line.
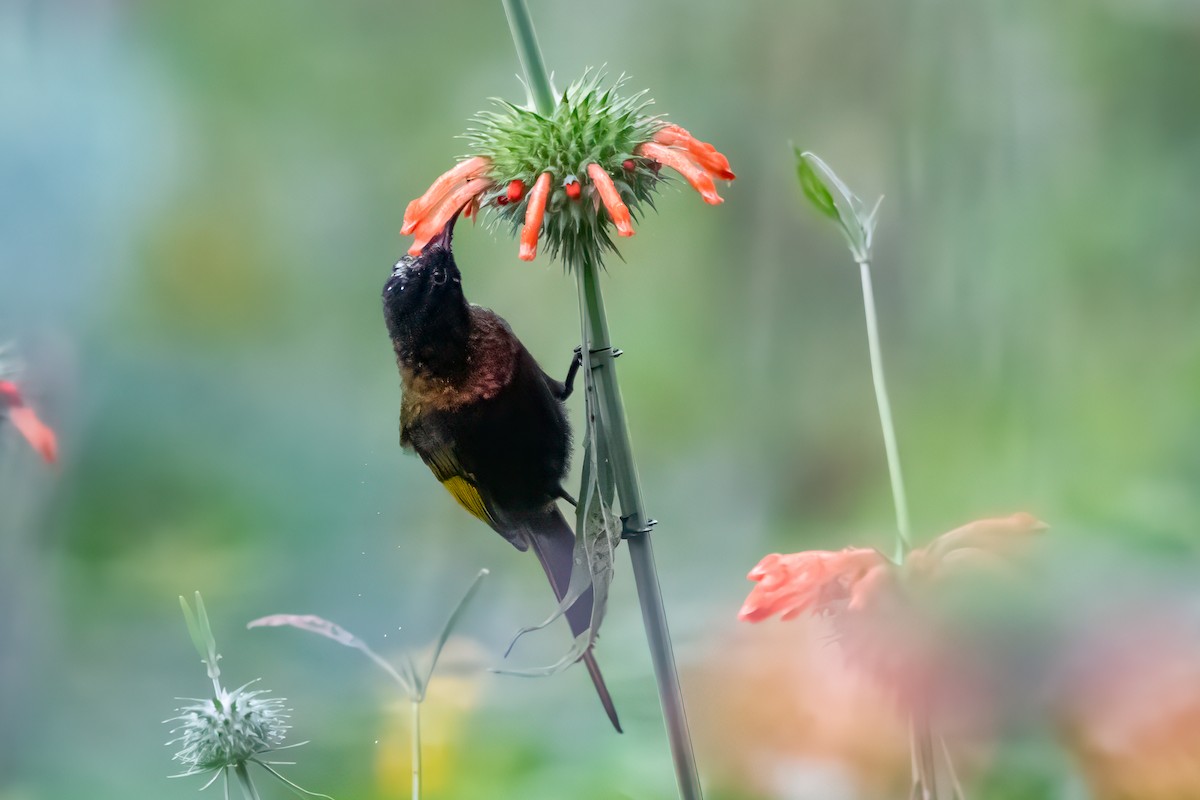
[445, 714]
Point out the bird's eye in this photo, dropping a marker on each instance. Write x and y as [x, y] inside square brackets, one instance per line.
[439, 277]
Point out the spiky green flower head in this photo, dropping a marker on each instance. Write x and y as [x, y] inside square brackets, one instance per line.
[569, 177]
[229, 730]
[590, 125]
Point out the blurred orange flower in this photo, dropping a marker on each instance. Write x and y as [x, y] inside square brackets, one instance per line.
[815, 580]
[881, 610]
[39, 435]
[776, 714]
[1128, 706]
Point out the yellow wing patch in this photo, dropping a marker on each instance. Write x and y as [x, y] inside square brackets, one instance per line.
[468, 497]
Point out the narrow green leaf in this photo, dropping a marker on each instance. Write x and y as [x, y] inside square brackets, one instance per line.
[296, 788]
[193, 627]
[200, 631]
[451, 623]
[205, 625]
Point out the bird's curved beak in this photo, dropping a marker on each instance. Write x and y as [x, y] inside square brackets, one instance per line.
[444, 238]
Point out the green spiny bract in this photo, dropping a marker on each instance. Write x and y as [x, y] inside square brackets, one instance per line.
[590, 125]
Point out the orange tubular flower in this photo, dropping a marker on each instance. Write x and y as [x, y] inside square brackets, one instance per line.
[432, 222]
[611, 199]
[39, 435]
[702, 152]
[686, 165]
[463, 171]
[534, 213]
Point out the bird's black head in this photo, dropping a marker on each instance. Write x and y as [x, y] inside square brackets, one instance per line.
[424, 305]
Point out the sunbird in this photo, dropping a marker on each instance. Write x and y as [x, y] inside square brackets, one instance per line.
[485, 418]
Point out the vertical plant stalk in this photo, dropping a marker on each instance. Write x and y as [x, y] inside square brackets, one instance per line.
[248, 787]
[641, 552]
[612, 410]
[899, 498]
[416, 750]
[921, 736]
[537, 77]
[858, 226]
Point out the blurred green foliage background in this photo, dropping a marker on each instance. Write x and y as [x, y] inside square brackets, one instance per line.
[198, 209]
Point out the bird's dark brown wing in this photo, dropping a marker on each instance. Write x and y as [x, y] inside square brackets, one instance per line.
[445, 462]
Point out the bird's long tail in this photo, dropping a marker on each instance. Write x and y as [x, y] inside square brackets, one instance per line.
[554, 542]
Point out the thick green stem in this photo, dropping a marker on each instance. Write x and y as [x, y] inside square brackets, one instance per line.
[416, 750]
[536, 75]
[654, 616]
[904, 541]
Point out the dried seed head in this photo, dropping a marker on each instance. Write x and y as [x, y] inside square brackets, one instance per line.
[228, 730]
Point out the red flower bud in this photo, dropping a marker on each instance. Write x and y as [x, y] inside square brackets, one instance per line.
[571, 184]
[516, 190]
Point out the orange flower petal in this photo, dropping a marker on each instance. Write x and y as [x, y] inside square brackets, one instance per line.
[702, 152]
[814, 580]
[433, 222]
[682, 162]
[611, 199]
[535, 211]
[676, 135]
[1000, 535]
[471, 168]
[37, 433]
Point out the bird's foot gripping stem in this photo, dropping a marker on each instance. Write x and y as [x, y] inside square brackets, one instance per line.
[613, 351]
[577, 362]
[628, 532]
